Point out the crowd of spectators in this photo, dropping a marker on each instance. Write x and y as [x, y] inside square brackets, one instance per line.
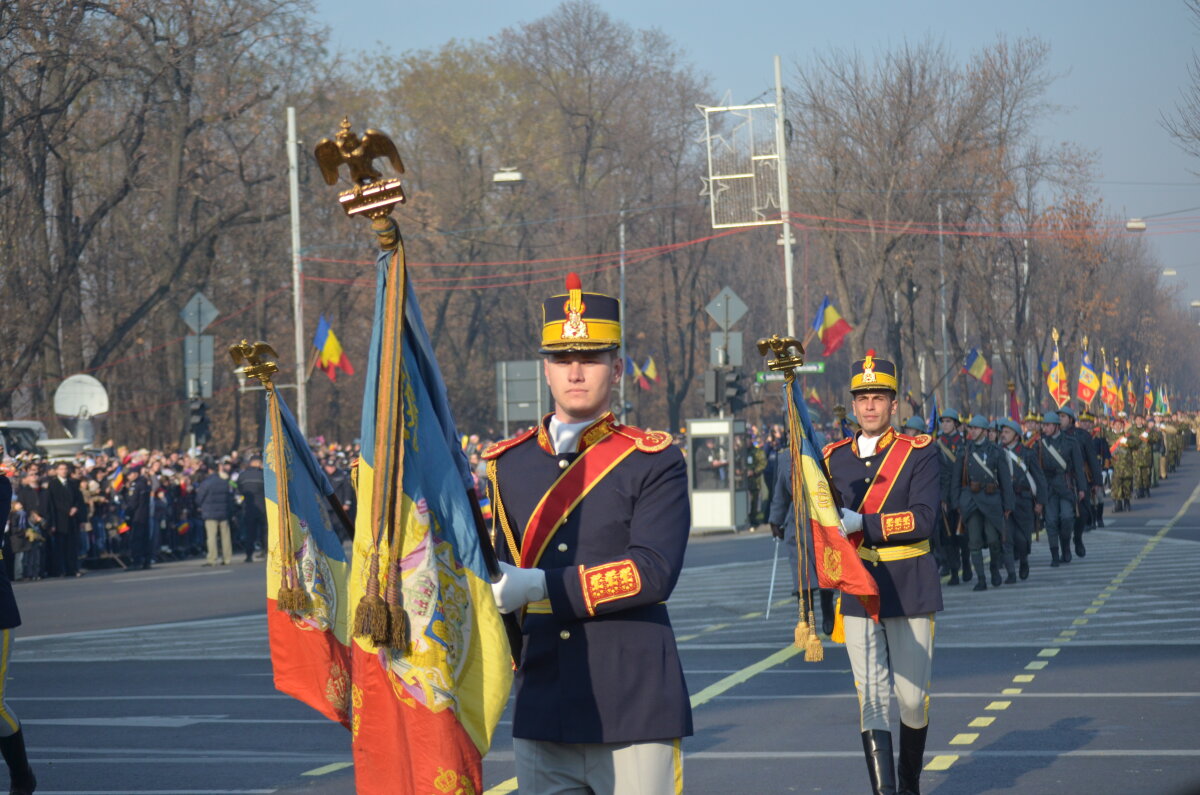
[131, 508]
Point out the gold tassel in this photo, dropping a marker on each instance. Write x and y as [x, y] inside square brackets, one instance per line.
[371, 615]
[292, 599]
[814, 651]
[839, 626]
[801, 634]
[398, 632]
[398, 635]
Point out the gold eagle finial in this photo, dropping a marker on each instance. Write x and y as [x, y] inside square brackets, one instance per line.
[357, 154]
[250, 356]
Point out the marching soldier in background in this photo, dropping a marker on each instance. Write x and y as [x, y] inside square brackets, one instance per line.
[1120, 446]
[1155, 439]
[1062, 464]
[592, 523]
[1031, 423]
[1143, 456]
[889, 485]
[1091, 477]
[1103, 459]
[1171, 437]
[1029, 492]
[958, 553]
[984, 495]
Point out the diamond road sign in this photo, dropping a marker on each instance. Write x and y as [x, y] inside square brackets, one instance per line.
[763, 377]
[726, 308]
[198, 313]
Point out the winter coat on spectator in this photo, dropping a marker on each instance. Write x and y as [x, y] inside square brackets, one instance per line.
[214, 498]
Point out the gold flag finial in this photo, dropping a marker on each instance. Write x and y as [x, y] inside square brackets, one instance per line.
[372, 194]
[789, 354]
[1054, 334]
[250, 356]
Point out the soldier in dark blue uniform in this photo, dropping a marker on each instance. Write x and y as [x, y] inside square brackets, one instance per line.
[591, 521]
[1092, 481]
[958, 553]
[12, 739]
[889, 485]
[983, 493]
[1029, 490]
[1061, 462]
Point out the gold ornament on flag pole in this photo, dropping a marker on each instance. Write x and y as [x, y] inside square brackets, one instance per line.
[789, 354]
[291, 596]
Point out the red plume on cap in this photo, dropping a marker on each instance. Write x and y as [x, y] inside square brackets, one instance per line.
[871, 352]
[573, 282]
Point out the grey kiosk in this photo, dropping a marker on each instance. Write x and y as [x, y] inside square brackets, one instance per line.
[713, 486]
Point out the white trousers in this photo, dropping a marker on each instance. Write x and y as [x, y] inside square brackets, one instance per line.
[896, 652]
[547, 768]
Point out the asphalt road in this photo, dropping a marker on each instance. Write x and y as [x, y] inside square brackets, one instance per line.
[1081, 679]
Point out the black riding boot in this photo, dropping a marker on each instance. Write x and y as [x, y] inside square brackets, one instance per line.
[12, 748]
[1080, 551]
[1053, 557]
[827, 611]
[1064, 544]
[1100, 515]
[877, 745]
[912, 757]
[965, 554]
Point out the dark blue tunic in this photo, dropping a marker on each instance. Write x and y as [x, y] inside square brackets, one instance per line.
[609, 671]
[908, 587]
[10, 617]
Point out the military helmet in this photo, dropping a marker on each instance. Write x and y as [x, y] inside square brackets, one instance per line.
[949, 414]
[1010, 424]
[1067, 410]
[979, 421]
[1050, 418]
[915, 423]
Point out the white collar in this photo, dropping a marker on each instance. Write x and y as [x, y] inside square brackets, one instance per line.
[565, 435]
[867, 444]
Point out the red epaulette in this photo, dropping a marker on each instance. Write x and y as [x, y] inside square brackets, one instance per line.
[646, 441]
[496, 448]
[918, 441]
[829, 448]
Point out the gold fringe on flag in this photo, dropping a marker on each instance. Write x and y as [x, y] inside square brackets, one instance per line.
[291, 595]
[805, 635]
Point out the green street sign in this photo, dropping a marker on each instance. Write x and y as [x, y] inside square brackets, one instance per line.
[763, 377]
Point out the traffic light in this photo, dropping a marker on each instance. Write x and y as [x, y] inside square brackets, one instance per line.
[198, 420]
[734, 391]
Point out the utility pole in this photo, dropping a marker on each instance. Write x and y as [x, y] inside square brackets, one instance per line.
[785, 209]
[945, 335]
[621, 309]
[297, 270]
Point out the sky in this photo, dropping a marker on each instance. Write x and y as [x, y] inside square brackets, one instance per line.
[1119, 67]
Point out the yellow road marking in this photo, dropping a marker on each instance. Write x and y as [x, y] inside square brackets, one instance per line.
[1023, 678]
[981, 723]
[1037, 665]
[964, 739]
[330, 768]
[751, 615]
[1011, 691]
[1079, 622]
[734, 679]
[1070, 633]
[942, 762]
[1091, 611]
[1048, 652]
[998, 705]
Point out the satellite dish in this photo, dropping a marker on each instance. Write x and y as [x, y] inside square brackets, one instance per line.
[76, 401]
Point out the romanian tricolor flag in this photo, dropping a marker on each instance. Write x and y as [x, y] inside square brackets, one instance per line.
[977, 366]
[1110, 390]
[1147, 391]
[830, 327]
[836, 556]
[650, 369]
[1089, 382]
[118, 478]
[331, 357]
[123, 528]
[307, 573]
[1056, 377]
[635, 373]
[431, 665]
[814, 398]
[183, 528]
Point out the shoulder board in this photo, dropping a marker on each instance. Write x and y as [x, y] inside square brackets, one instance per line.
[829, 448]
[645, 440]
[918, 441]
[496, 448]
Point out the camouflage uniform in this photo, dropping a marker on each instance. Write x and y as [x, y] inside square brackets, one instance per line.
[1139, 443]
[1156, 451]
[1123, 469]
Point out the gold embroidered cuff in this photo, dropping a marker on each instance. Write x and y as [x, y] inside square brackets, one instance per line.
[894, 523]
[608, 582]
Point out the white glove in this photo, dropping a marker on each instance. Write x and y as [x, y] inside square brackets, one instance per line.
[518, 587]
[851, 521]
